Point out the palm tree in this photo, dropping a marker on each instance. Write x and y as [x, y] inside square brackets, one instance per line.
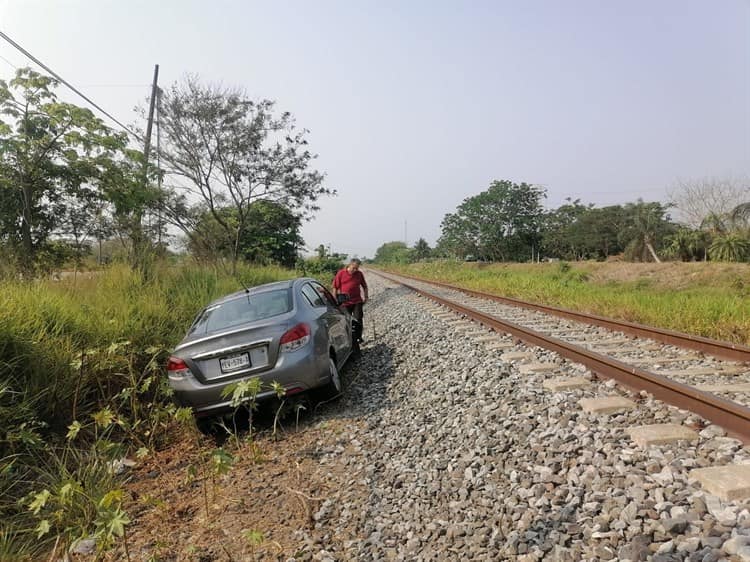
[649, 224]
[729, 247]
[741, 213]
[688, 244]
[715, 224]
[422, 249]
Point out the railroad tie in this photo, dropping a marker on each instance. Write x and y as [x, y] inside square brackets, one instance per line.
[660, 434]
[606, 405]
[568, 383]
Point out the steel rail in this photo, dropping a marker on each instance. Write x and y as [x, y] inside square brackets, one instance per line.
[717, 348]
[734, 418]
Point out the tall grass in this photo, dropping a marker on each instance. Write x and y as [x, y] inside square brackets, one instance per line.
[71, 348]
[706, 299]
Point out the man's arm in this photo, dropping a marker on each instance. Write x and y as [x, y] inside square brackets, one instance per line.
[364, 286]
[335, 286]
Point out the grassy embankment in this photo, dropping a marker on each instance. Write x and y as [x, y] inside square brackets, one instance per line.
[708, 299]
[90, 352]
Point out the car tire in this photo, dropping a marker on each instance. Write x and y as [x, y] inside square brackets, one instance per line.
[206, 425]
[334, 387]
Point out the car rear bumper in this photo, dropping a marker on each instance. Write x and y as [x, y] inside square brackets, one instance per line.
[296, 371]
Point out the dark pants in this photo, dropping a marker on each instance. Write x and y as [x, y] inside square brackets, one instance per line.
[356, 311]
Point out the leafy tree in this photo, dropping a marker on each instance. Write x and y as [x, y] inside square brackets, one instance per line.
[393, 252]
[271, 235]
[556, 227]
[597, 232]
[421, 250]
[688, 244]
[323, 263]
[502, 223]
[321, 251]
[234, 151]
[648, 225]
[53, 158]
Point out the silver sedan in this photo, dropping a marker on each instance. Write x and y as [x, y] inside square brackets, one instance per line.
[291, 332]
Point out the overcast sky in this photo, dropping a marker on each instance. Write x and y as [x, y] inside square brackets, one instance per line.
[414, 106]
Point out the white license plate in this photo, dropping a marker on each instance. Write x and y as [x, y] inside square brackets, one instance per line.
[234, 362]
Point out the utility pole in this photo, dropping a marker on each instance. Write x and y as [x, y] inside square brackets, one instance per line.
[138, 238]
[158, 159]
[150, 124]
[406, 239]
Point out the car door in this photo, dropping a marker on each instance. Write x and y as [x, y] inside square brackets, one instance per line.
[340, 329]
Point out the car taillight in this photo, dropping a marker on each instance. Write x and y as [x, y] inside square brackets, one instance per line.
[295, 338]
[177, 368]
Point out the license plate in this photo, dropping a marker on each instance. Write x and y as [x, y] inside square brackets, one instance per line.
[234, 362]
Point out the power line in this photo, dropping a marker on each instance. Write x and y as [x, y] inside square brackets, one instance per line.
[10, 63]
[82, 95]
[68, 84]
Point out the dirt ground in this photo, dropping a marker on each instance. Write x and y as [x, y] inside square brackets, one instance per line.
[274, 488]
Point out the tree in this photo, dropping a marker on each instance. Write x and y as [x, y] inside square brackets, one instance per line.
[688, 244]
[393, 252]
[729, 247]
[130, 195]
[421, 250]
[272, 235]
[53, 156]
[321, 251]
[647, 226]
[740, 215]
[502, 223]
[697, 199]
[556, 230]
[234, 151]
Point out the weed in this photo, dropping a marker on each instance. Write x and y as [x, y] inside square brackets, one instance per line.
[254, 540]
[706, 299]
[83, 360]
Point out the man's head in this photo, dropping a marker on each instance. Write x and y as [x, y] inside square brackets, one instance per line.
[354, 265]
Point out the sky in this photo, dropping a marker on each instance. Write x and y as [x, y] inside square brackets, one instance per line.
[413, 106]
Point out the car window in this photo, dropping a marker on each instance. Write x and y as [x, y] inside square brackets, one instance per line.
[312, 296]
[242, 310]
[325, 294]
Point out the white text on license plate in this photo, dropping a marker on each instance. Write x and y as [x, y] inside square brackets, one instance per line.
[234, 362]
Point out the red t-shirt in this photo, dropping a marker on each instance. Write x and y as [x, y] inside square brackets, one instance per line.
[349, 284]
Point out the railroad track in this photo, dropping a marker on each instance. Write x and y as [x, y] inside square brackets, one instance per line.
[690, 372]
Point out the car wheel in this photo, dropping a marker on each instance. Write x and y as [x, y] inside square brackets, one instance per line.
[333, 388]
[205, 425]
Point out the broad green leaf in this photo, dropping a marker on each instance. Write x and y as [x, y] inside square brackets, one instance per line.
[73, 430]
[113, 497]
[39, 501]
[103, 418]
[42, 529]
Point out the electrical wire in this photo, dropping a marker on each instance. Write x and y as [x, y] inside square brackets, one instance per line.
[85, 97]
[68, 84]
[10, 63]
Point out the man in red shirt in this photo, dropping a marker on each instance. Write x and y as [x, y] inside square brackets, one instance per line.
[348, 286]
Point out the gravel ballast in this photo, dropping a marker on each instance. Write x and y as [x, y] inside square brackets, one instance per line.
[463, 457]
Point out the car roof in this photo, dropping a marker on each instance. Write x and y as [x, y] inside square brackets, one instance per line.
[275, 286]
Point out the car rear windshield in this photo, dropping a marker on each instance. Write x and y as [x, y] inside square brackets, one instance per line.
[242, 310]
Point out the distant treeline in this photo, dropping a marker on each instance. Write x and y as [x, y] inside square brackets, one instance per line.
[508, 222]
